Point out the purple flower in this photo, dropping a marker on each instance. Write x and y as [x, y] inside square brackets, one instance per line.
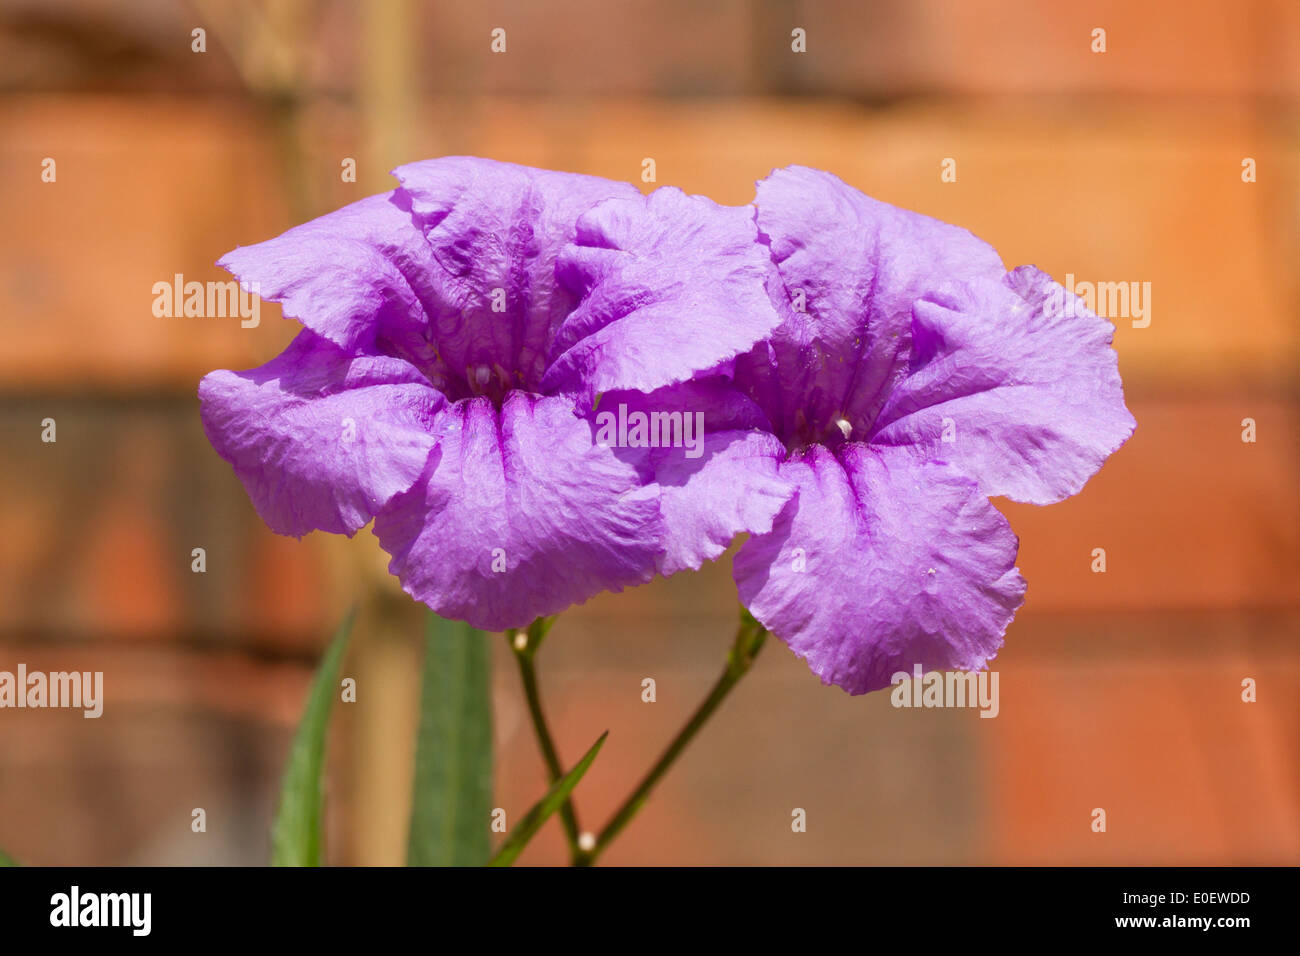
[462, 332]
[457, 333]
[911, 378]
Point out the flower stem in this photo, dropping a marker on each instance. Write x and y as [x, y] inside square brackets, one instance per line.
[524, 645]
[749, 640]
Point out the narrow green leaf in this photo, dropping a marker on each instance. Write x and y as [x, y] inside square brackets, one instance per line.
[7, 860]
[296, 834]
[534, 818]
[451, 805]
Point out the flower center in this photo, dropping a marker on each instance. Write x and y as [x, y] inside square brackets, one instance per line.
[481, 379]
[832, 431]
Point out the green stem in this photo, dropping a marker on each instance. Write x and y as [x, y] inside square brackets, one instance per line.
[524, 645]
[749, 640]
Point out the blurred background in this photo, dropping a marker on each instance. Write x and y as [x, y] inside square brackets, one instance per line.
[1119, 690]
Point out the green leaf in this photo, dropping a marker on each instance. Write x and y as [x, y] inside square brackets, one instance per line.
[7, 860]
[452, 802]
[555, 797]
[296, 834]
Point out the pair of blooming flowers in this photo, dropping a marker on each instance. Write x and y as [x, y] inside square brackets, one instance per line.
[868, 377]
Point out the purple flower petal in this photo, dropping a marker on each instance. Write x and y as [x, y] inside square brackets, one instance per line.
[735, 487]
[495, 230]
[522, 515]
[721, 479]
[348, 274]
[881, 562]
[1015, 383]
[850, 267]
[671, 285]
[321, 439]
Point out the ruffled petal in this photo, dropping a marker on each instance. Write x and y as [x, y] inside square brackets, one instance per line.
[521, 515]
[735, 486]
[671, 285]
[1015, 383]
[495, 230]
[850, 268]
[709, 449]
[321, 439]
[881, 562]
[348, 275]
